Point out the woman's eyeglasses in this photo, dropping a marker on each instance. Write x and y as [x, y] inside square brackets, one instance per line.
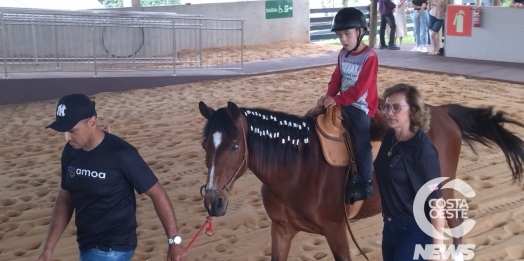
[385, 108]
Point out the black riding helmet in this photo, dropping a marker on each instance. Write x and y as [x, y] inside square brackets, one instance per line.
[348, 18]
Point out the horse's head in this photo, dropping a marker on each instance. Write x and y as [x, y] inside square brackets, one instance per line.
[224, 140]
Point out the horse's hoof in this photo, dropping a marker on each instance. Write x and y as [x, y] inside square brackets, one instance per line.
[209, 233]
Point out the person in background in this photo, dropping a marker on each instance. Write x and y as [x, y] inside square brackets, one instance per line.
[437, 9]
[517, 3]
[385, 10]
[421, 20]
[400, 20]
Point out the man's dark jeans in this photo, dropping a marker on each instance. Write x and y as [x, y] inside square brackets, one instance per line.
[389, 19]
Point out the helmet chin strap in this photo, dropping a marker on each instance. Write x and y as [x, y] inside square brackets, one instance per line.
[360, 37]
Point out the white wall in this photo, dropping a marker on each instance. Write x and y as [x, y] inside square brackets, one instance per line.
[257, 29]
[499, 38]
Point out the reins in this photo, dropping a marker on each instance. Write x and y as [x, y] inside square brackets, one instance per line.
[352, 158]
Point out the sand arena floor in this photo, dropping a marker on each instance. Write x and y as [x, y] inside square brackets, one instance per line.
[165, 125]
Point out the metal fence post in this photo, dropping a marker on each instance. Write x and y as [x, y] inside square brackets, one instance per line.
[200, 41]
[242, 46]
[174, 47]
[94, 46]
[55, 32]
[33, 31]
[5, 44]
[134, 53]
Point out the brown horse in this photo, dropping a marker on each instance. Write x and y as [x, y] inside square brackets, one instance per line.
[300, 190]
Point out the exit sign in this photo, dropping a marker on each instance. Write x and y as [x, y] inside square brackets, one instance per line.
[279, 9]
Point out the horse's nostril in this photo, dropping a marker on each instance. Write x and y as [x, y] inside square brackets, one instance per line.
[219, 204]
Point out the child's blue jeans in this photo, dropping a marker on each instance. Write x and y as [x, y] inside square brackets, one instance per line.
[360, 122]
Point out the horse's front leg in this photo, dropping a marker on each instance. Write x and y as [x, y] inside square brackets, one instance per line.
[338, 241]
[281, 237]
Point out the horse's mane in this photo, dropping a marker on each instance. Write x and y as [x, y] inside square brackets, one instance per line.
[276, 137]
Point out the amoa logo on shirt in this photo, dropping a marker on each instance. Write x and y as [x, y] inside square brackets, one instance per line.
[73, 171]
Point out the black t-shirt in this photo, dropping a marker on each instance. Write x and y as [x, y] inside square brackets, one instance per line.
[102, 183]
[400, 176]
[518, 1]
[419, 2]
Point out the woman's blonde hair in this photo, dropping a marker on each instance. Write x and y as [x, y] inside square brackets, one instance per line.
[420, 114]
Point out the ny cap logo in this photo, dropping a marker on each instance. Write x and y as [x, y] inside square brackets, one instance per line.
[60, 111]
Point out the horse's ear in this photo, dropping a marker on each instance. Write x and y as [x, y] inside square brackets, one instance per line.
[207, 112]
[233, 110]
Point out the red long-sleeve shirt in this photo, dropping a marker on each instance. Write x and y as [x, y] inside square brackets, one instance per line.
[364, 66]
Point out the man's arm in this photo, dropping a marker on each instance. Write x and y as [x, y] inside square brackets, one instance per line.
[62, 212]
[166, 214]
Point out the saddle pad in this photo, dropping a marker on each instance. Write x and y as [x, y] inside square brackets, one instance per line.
[331, 136]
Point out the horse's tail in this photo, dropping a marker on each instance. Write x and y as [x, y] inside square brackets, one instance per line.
[481, 125]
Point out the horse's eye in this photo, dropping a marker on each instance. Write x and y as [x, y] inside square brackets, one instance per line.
[235, 147]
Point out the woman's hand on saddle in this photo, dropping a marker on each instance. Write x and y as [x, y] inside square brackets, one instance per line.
[329, 102]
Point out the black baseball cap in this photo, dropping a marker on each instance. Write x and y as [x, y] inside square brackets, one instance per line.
[71, 109]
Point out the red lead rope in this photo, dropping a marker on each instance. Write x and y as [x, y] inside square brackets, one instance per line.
[209, 230]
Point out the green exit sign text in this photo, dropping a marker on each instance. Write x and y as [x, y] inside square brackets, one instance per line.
[279, 9]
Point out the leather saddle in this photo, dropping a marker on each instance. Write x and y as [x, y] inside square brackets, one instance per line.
[335, 139]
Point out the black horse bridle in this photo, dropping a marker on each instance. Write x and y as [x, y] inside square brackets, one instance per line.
[226, 187]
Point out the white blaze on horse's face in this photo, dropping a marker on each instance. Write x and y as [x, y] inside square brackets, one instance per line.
[217, 140]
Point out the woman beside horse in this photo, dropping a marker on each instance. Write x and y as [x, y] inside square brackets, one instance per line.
[406, 160]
